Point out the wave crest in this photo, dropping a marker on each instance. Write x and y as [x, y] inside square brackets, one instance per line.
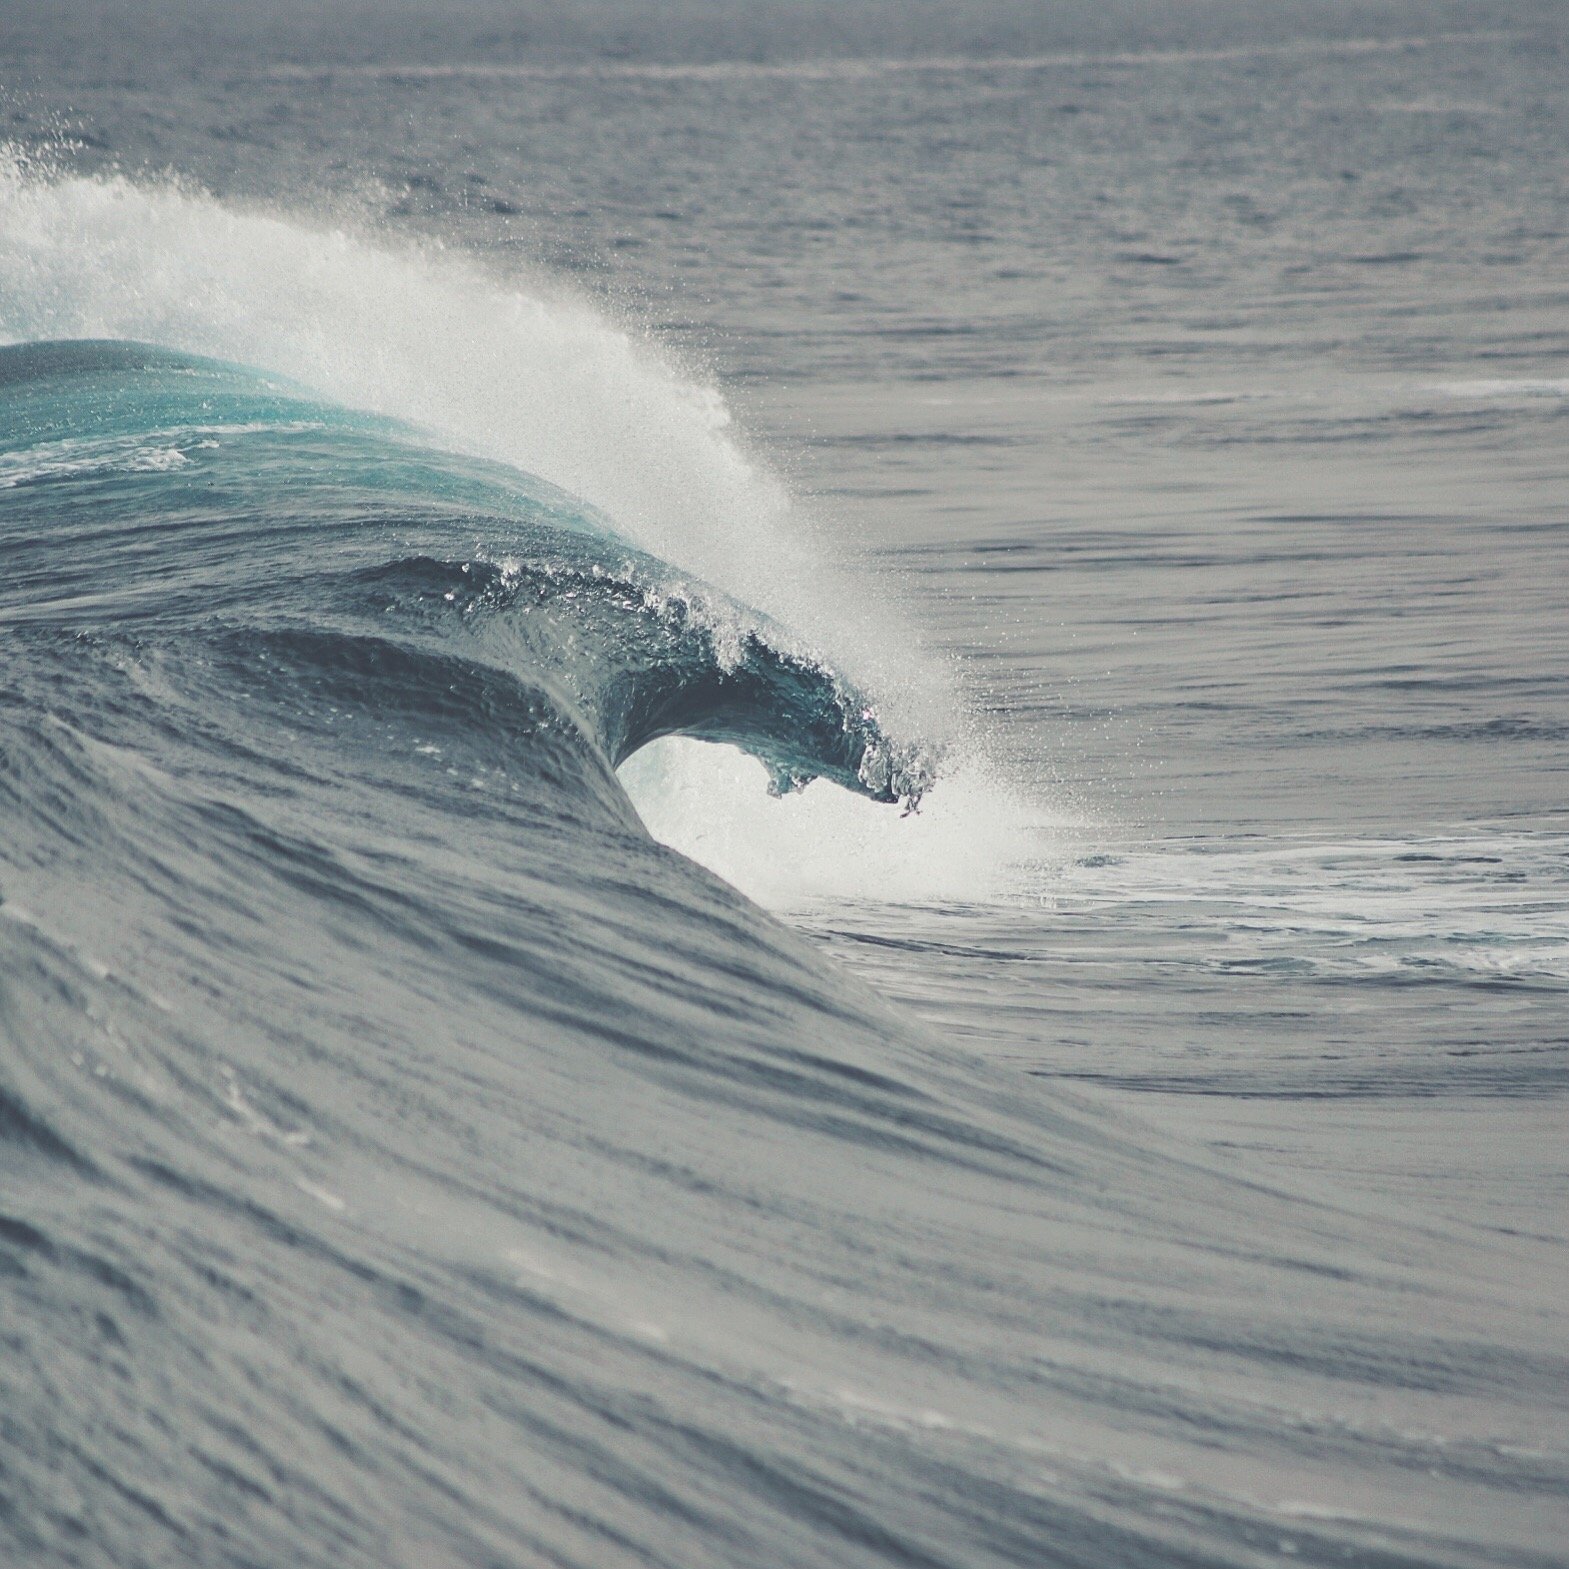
[260, 516]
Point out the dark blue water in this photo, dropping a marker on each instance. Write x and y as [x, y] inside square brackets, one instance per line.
[496, 540]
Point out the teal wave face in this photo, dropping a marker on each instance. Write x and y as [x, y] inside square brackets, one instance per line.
[160, 496]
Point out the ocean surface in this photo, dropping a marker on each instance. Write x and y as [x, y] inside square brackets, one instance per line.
[773, 796]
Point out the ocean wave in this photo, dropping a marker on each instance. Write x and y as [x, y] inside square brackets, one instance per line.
[405, 1159]
[515, 370]
[551, 607]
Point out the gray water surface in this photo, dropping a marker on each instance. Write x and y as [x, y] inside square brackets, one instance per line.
[1201, 409]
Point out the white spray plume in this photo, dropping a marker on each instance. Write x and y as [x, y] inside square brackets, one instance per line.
[523, 372]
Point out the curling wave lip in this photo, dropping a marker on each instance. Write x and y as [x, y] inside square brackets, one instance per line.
[626, 647]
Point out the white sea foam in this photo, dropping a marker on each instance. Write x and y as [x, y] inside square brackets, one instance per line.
[65, 459]
[517, 370]
[521, 371]
[972, 840]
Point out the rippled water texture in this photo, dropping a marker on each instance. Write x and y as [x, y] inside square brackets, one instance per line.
[452, 1112]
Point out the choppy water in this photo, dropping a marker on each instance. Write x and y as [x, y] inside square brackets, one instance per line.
[1151, 1152]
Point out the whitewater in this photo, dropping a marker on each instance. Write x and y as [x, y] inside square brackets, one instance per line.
[867, 870]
